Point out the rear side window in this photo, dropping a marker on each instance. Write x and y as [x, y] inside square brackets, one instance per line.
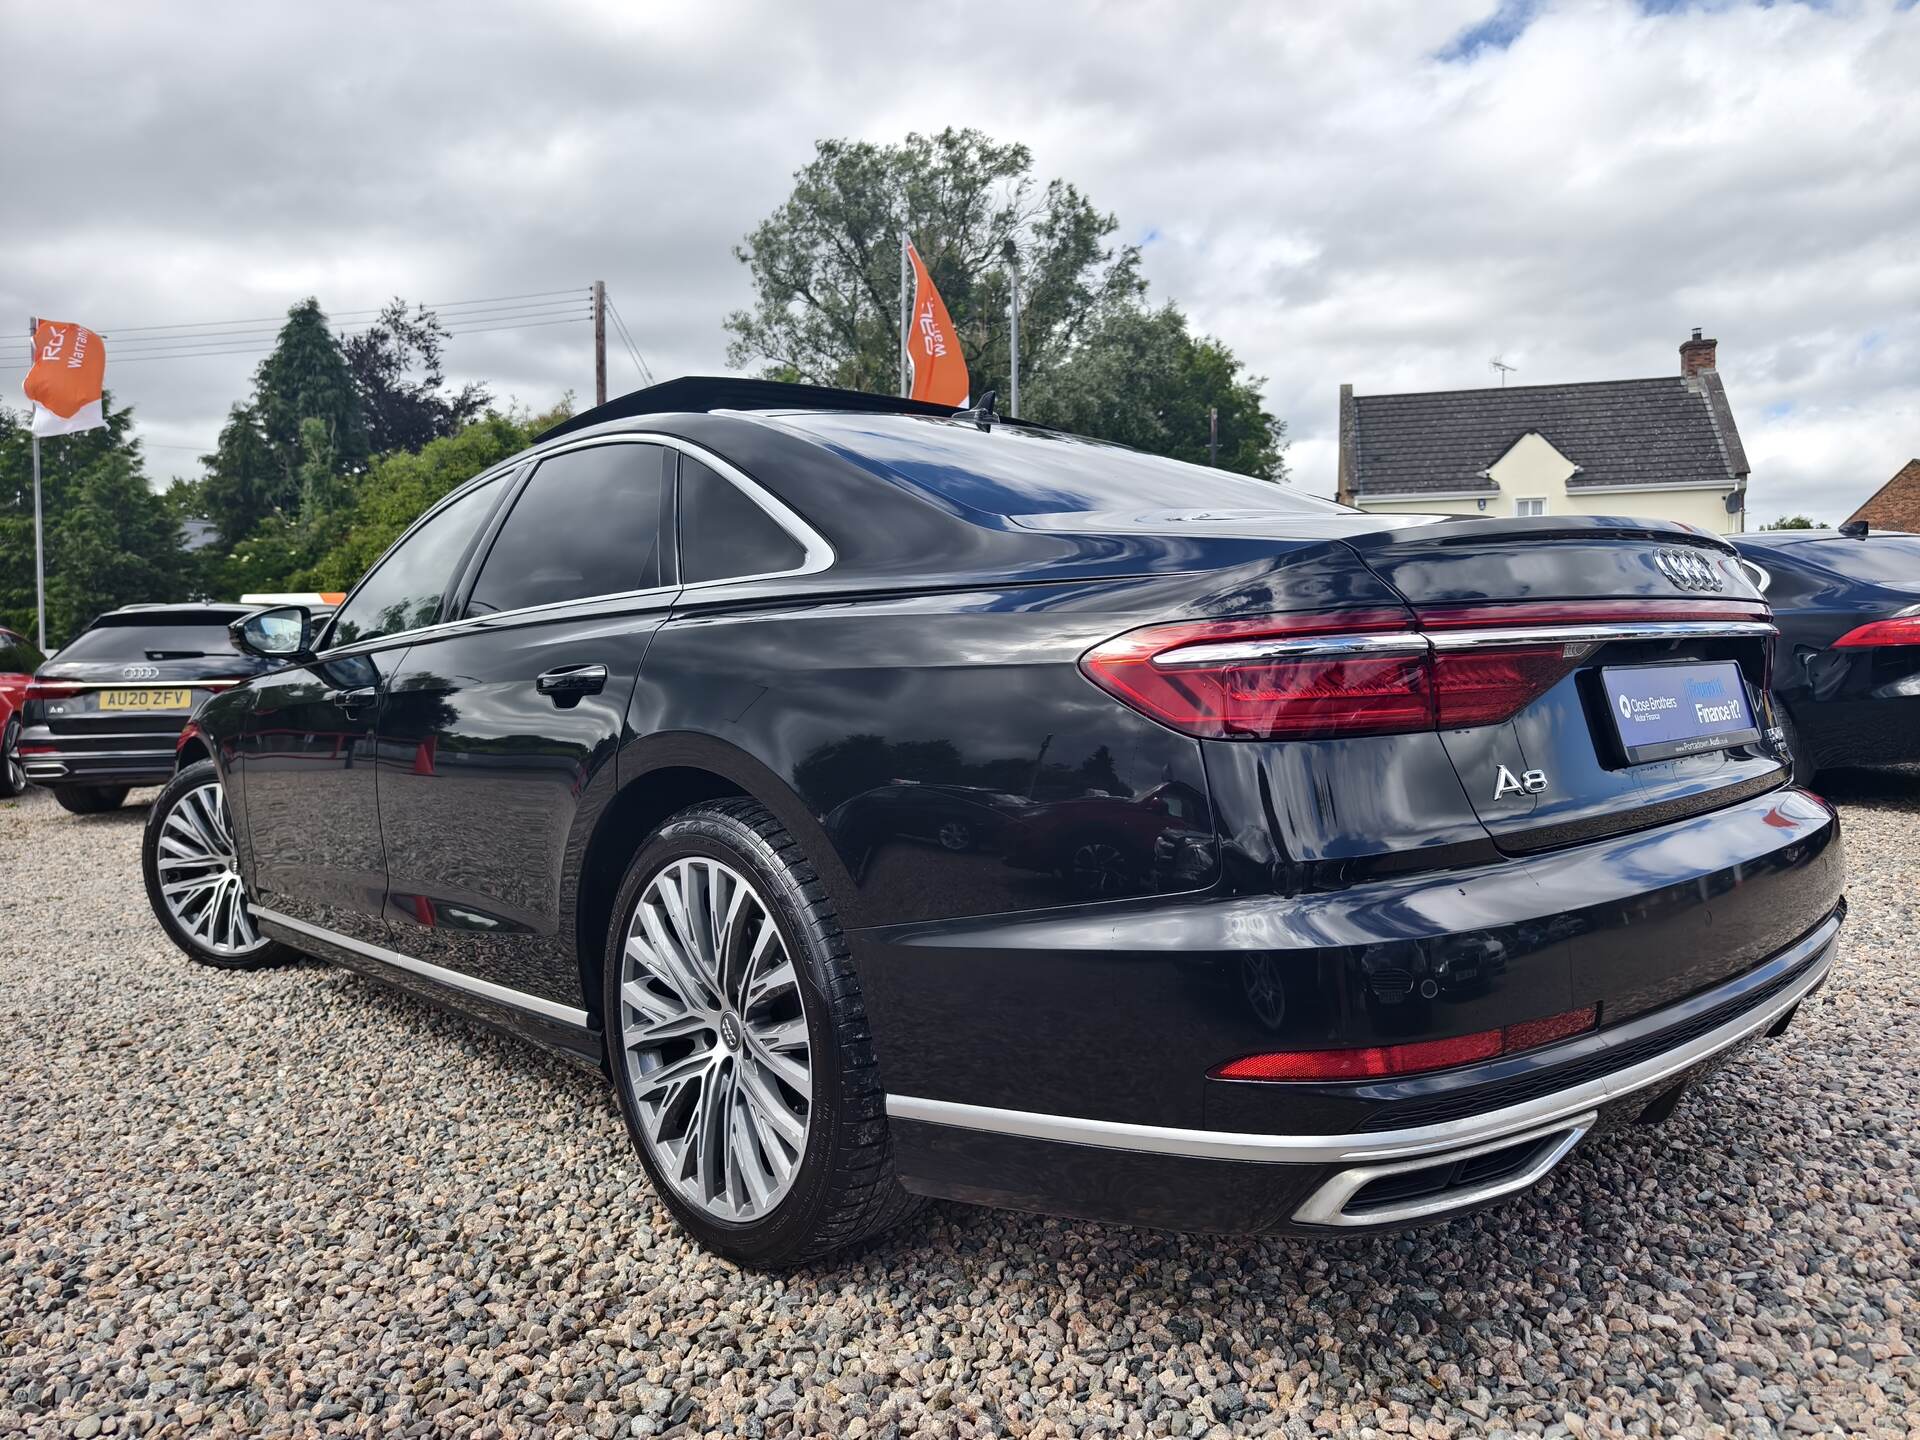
[1879, 559]
[588, 523]
[127, 638]
[405, 589]
[17, 657]
[724, 534]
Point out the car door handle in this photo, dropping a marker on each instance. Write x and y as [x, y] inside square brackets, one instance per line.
[352, 699]
[573, 680]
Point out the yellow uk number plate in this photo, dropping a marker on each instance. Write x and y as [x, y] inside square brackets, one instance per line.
[146, 699]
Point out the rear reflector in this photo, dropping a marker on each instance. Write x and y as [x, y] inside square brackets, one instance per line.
[1898, 630]
[1373, 1062]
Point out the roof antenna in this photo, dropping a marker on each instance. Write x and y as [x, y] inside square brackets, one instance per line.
[982, 413]
[1505, 369]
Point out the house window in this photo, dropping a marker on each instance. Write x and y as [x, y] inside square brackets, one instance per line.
[1530, 507]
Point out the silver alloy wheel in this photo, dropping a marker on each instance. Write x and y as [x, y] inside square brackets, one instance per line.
[715, 1036]
[16, 771]
[198, 877]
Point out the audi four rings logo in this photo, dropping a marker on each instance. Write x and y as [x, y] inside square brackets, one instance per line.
[141, 672]
[1689, 570]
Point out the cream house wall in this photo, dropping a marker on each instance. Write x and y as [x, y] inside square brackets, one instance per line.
[1534, 470]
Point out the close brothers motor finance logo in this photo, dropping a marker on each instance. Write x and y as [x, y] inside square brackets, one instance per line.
[1708, 696]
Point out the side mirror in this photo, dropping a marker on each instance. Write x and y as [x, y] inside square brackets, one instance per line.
[282, 633]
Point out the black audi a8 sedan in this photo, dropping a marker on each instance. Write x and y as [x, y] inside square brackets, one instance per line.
[1391, 855]
[1846, 668]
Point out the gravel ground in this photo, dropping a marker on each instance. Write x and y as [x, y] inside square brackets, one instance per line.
[293, 1203]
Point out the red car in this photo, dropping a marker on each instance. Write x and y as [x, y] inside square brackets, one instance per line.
[18, 661]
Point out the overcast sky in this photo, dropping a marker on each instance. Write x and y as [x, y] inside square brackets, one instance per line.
[1383, 193]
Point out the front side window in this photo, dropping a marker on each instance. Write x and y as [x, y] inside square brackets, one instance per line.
[588, 523]
[17, 657]
[724, 534]
[405, 589]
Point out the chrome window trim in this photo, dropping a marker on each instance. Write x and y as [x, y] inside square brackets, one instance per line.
[819, 554]
[454, 979]
[1390, 1145]
[1757, 573]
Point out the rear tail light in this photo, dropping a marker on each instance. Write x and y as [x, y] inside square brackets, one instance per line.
[1363, 672]
[1901, 629]
[53, 689]
[1373, 1062]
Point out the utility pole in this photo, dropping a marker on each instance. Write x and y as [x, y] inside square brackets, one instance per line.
[906, 315]
[599, 342]
[39, 544]
[1013, 335]
[1213, 436]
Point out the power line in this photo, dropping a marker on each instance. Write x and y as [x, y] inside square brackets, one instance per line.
[151, 342]
[632, 349]
[338, 314]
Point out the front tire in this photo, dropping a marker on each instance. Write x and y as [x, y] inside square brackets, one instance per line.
[193, 879]
[90, 799]
[738, 1043]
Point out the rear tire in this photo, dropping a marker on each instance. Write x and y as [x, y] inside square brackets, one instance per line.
[13, 775]
[90, 799]
[795, 1175]
[1801, 756]
[189, 846]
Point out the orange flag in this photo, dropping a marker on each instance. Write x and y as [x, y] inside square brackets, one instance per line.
[65, 383]
[939, 369]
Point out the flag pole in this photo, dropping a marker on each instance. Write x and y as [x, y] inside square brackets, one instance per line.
[906, 315]
[1013, 335]
[39, 545]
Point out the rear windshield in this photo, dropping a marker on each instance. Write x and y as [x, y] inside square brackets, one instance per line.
[1879, 559]
[128, 639]
[1015, 471]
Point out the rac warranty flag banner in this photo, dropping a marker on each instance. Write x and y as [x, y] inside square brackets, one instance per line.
[65, 383]
[939, 370]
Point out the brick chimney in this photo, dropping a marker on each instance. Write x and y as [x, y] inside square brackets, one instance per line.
[1696, 355]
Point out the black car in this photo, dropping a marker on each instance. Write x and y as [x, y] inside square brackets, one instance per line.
[106, 712]
[1846, 669]
[1426, 914]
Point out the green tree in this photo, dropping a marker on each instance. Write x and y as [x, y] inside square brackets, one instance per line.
[826, 277]
[110, 540]
[1142, 378]
[261, 465]
[1792, 522]
[826, 264]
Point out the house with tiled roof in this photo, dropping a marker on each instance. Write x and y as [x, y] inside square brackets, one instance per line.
[1665, 447]
[1896, 504]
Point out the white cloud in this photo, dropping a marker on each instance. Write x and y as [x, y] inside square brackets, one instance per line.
[1325, 193]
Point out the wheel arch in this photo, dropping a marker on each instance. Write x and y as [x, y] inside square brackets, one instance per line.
[659, 776]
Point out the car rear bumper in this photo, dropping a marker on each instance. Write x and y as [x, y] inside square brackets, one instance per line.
[134, 765]
[1206, 1179]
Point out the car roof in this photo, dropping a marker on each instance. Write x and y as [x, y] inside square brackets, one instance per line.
[161, 611]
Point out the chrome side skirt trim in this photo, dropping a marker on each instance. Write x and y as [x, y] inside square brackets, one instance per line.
[453, 979]
[1389, 1145]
